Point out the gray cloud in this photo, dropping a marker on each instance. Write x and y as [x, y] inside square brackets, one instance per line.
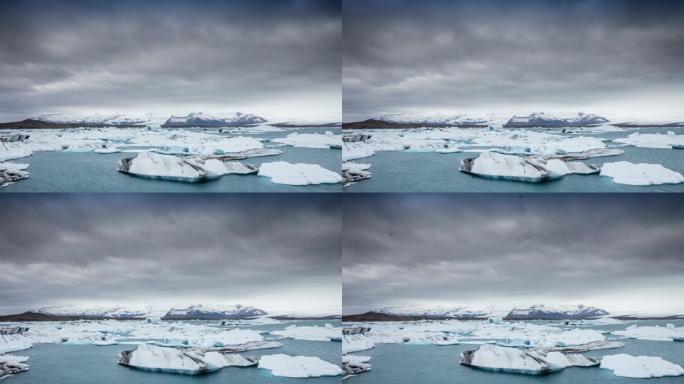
[277, 58]
[618, 57]
[281, 252]
[622, 252]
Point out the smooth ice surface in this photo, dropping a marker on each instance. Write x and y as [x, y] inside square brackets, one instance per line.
[642, 367]
[657, 333]
[653, 140]
[624, 172]
[282, 172]
[298, 366]
[311, 333]
[311, 140]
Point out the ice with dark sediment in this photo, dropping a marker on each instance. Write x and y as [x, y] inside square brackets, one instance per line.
[353, 365]
[12, 365]
[181, 361]
[523, 361]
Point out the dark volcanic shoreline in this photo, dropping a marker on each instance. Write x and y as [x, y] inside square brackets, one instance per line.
[37, 316]
[377, 316]
[381, 124]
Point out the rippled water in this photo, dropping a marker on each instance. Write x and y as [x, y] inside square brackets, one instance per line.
[435, 172]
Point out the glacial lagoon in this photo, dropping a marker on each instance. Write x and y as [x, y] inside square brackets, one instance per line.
[87, 363]
[407, 363]
[87, 171]
[428, 171]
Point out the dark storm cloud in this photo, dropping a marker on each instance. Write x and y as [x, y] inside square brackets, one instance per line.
[495, 249]
[496, 55]
[170, 249]
[167, 56]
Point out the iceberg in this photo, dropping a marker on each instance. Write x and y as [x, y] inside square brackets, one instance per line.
[561, 167]
[165, 167]
[282, 172]
[640, 367]
[653, 140]
[11, 172]
[310, 333]
[181, 361]
[652, 333]
[623, 172]
[354, 172]
[311, 140]
[298, 366]
[507, 167]
[523, 361]
[354, 364]
[11, 365]
[356, 343]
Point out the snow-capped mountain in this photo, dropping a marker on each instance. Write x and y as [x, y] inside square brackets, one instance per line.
[199, 119]
[541, 119]
[115, 119]
[437, 119]
[97, 311]
[201, 312]
[541, 312]
[435, 311]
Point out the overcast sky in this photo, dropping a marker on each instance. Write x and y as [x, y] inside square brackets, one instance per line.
[280, 253]
[277, 58]
[620, 252]
[618, 58]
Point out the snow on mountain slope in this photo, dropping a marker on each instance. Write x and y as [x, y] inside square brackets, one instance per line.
[98, 311]
[541, 312]
[202, 312]
[96, 119]
[435, 311]
[432, 119]
[199, 119]
[541, 119]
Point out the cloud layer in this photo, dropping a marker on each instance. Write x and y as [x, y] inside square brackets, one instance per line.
[276, 58]
[279, 252]
[618, 57]
[622, 252]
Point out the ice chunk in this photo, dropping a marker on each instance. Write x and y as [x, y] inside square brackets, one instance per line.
[11, 365]
[653, 140]
[167, 167]
[354, 172]
[310, 333]
[356, 343]
[524, 361]
[624, 172]
[11, 172]
[641, 367]
[568, 167]
[311, 140]
[652, 333]
[222, 360]
[355, 364]
[507, 167]
[161, 359]
[282, 172]
[298, 366]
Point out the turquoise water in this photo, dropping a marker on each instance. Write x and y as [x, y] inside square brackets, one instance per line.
[94, 172]
[435, 172]
[409, 364]
[87, 364]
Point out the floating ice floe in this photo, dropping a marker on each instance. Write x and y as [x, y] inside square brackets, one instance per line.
[623, 172]
[11, 365]
[653, 140]
[298, 366]
[185, 169]
[669, 333]
[527, 169]
[641, 367]
[181, 361]
[310, 333]
[354, 172]
[11, 172]
[355, 364]
[530, 362]
[282, 172]
[356, 343]
[311, 140]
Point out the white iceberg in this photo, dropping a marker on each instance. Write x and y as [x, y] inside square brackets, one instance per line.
[507, 167]
[640, 367]
[356, 343]
[652, 333]
[653, 140]
[11, 172]
[623, 172]
[282, 172]
[11, 365]
[166, 167]
[310, 333]
[523, 361]
[355, 364]
[354, 172]
[311, 140]
[181, 361]
[298, 366]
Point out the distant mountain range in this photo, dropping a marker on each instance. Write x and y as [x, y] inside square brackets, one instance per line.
[534, 120]
[541, 312]
[201, 312]
[198, 119]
